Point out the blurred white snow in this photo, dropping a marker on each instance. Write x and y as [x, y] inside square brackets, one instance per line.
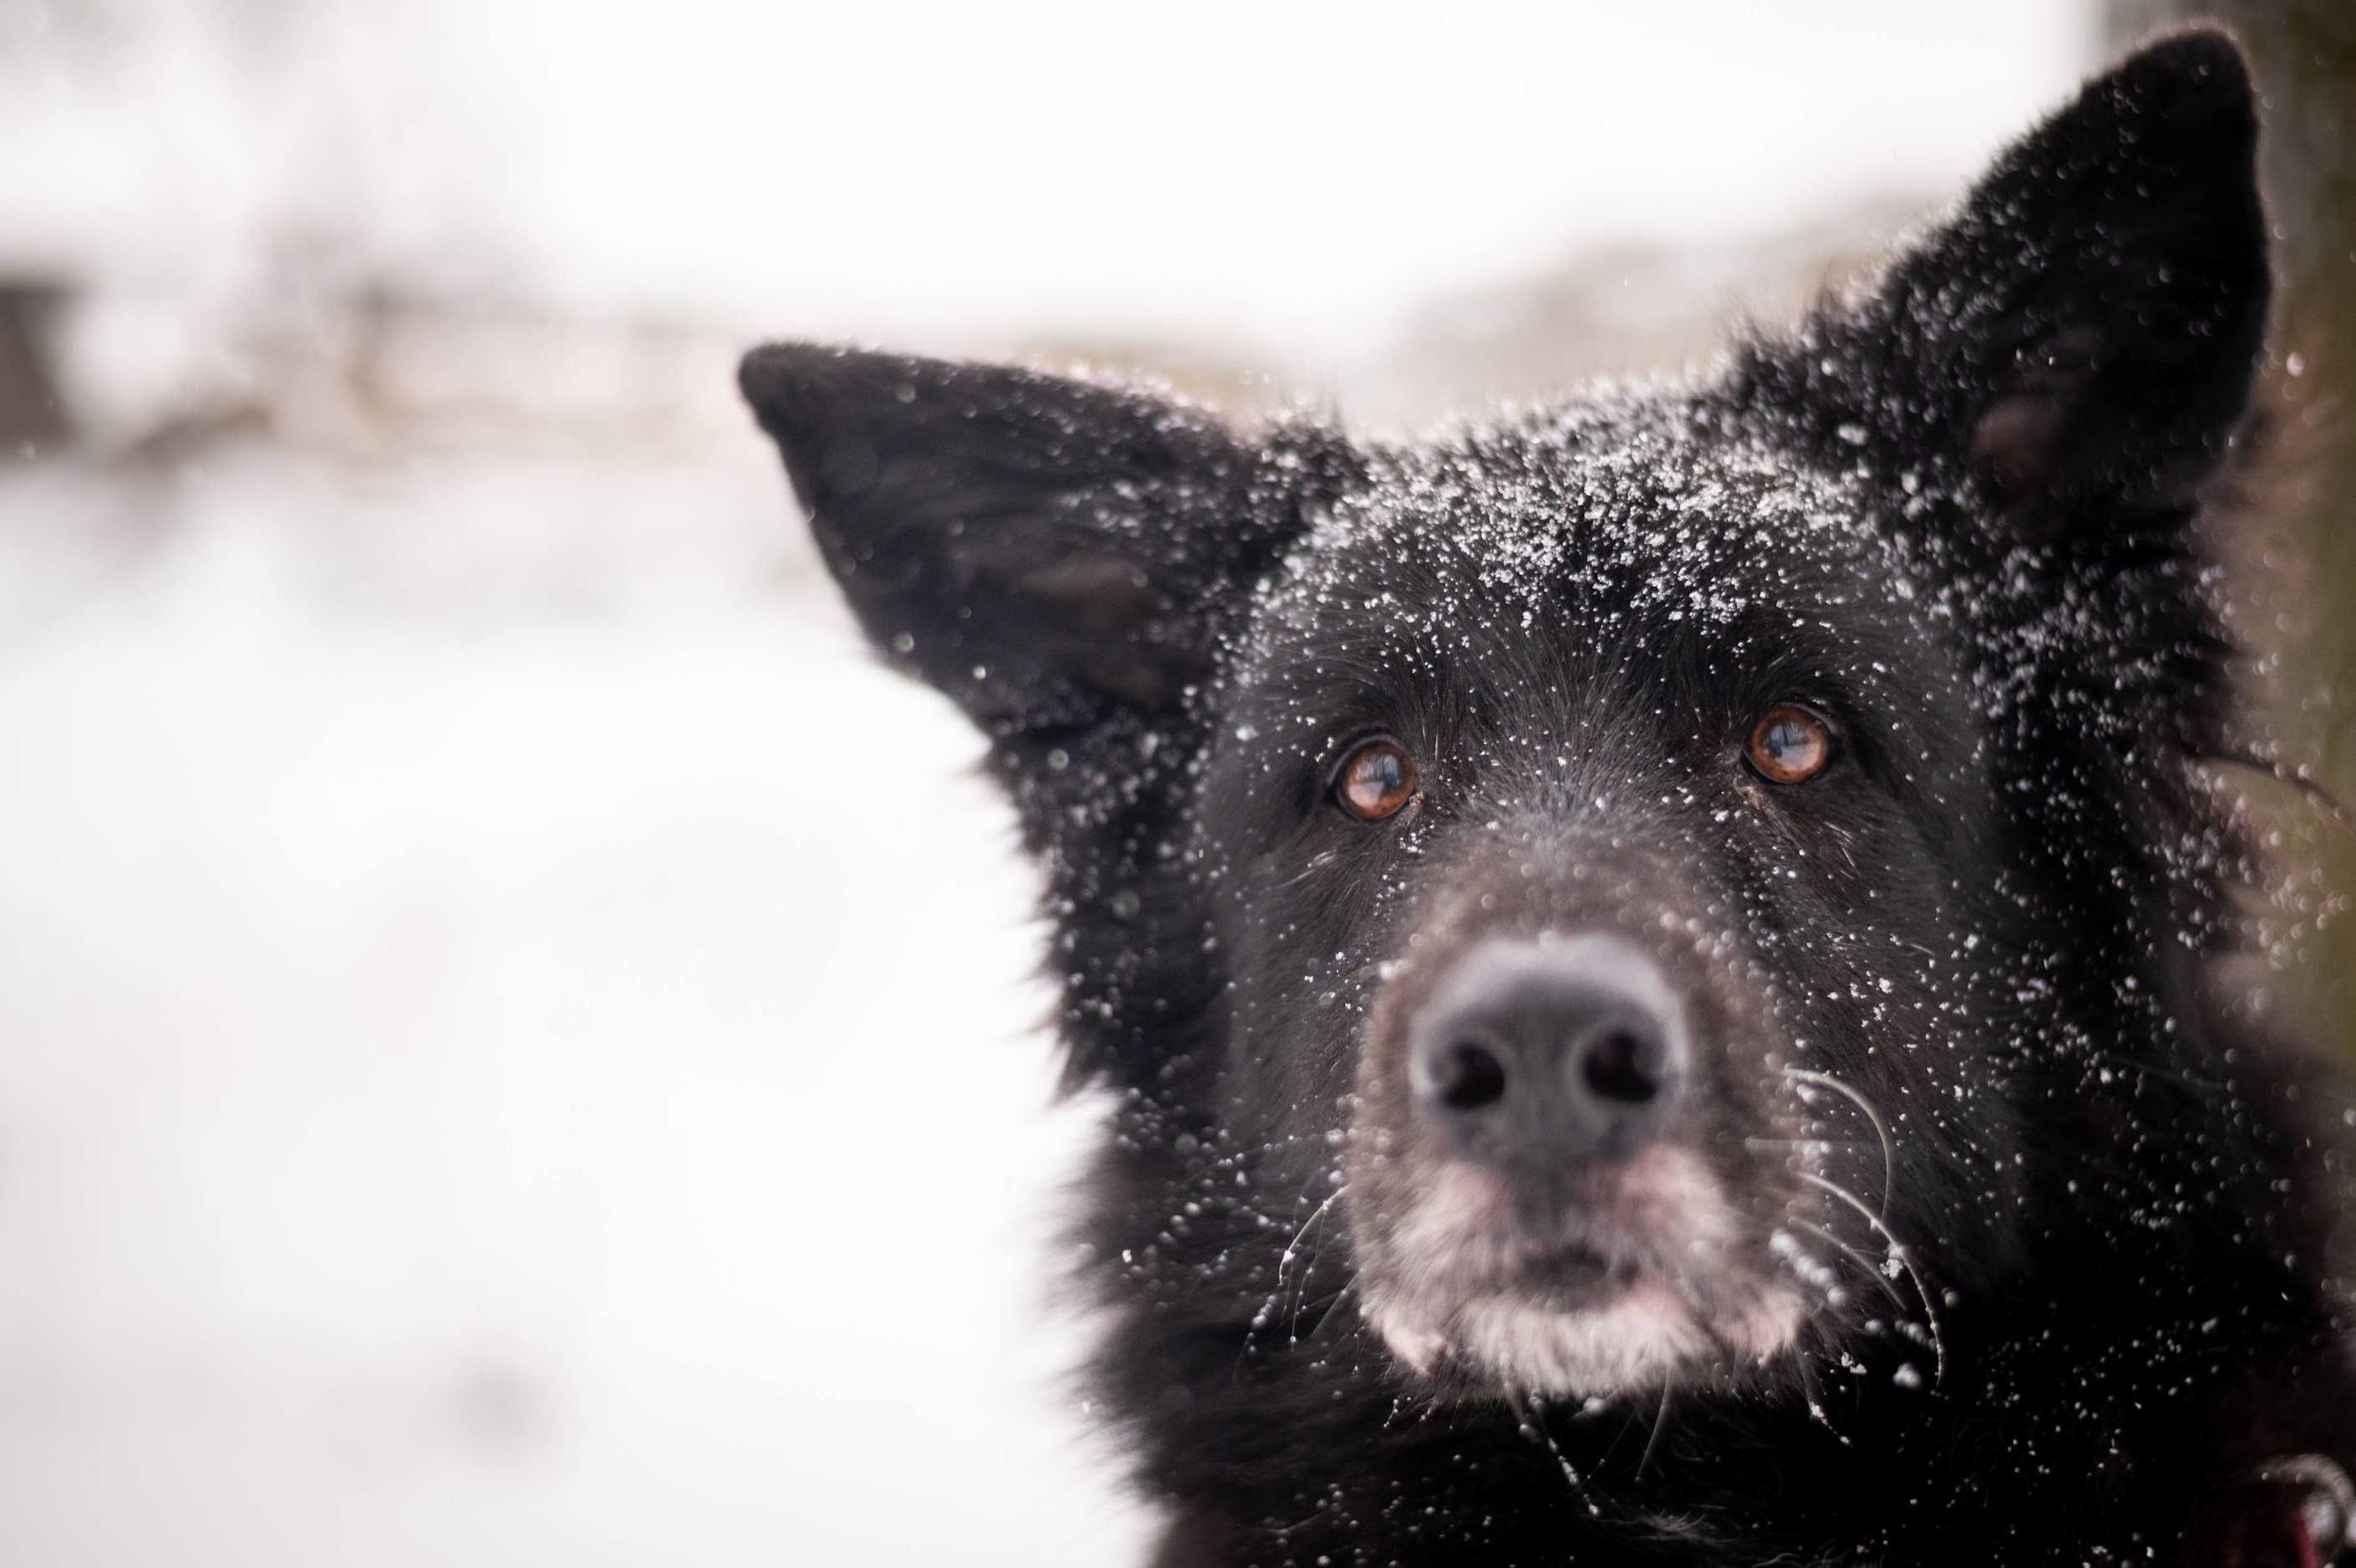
[515, 1042]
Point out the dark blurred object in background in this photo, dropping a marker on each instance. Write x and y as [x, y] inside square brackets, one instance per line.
[2295, 559]
[31, 415]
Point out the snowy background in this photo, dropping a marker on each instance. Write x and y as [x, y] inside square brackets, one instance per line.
[516, 1043]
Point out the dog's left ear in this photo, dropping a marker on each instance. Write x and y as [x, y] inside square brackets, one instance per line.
[1046, 552]
[2082, 334]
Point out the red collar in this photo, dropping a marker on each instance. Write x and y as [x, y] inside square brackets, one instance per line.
[2298, 1512]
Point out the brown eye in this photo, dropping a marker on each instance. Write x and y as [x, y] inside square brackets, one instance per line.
[1376, 780]
[1790, 745]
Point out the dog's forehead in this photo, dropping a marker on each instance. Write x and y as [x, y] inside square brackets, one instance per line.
[1621, 507]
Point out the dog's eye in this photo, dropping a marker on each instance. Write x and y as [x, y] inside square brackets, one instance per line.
[1790, 745]
[1376, 780]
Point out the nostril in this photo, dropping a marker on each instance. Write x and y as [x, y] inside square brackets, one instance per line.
[1547, 1054]
[1469, 1076]
[1619, 1065]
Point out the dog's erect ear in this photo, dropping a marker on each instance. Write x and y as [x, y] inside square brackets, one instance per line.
[2082, 334]
[1043, 550]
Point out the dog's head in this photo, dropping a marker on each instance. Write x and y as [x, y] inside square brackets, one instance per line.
[1624, 875]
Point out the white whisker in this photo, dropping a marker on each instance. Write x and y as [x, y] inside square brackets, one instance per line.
[1291, 1250]
[1881, 1129]
[1856, 1256]
[1899, 1256]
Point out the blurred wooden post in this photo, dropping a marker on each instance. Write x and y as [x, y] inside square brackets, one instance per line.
[2295, 564]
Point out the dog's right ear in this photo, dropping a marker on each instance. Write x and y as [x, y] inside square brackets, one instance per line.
[1045, 551]
[2079, 338]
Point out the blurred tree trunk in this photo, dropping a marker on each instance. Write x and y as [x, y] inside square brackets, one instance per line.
[2295, 560]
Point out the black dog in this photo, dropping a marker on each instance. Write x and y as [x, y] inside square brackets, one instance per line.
[1655, 957]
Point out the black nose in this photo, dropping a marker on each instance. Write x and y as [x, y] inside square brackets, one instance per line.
[1549, 1053]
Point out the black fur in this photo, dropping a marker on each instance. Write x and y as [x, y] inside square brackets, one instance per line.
[1961, 513]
